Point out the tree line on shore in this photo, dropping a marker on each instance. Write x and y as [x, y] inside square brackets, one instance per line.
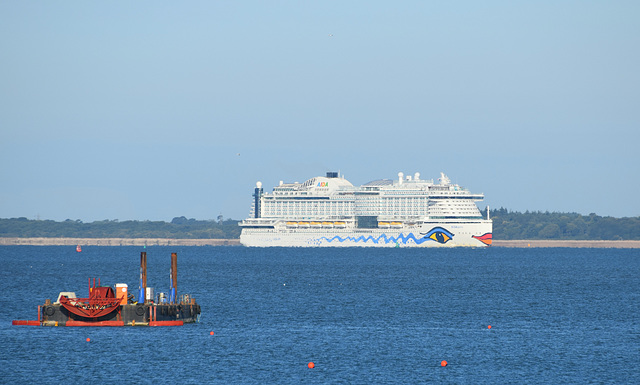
[507, 225]
[510, 225]
[178, 228]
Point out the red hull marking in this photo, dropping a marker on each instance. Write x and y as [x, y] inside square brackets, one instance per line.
[25, 323]
[99, 323]
[166, 323]
[485, 238]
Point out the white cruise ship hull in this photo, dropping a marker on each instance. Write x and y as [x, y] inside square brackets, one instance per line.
[331, 212]
[430, 234]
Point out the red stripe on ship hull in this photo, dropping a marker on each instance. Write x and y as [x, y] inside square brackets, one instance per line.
[98, 323]
[25, 323]
[166, 323]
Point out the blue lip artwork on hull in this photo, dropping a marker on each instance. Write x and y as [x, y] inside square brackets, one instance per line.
[437, 234]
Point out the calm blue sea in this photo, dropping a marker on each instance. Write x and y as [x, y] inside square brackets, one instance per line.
[362, 316]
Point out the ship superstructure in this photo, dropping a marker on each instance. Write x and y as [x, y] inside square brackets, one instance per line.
[330, 211]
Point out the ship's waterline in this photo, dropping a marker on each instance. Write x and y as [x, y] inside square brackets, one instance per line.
[329, 211]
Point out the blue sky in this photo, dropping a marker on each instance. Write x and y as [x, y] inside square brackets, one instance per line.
[157, 109]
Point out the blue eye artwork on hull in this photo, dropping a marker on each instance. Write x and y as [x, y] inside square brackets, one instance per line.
[437, 234]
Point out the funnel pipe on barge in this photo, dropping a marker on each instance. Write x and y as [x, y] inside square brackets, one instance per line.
[174, 278]
[143, 276]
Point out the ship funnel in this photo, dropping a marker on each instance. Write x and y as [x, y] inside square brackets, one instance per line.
[257, 194]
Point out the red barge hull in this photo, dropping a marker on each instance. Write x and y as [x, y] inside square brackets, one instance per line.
[126, 315]
[104, 308]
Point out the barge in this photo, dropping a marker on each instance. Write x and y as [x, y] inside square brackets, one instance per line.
[114, 306]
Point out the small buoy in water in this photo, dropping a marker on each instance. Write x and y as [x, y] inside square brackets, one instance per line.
[88, 339]
[311, 365]
[443, 363]
[489, 327]
[211, 333]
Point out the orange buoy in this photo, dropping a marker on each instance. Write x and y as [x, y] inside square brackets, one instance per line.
[311, 365]
[489, 327]
[88, 339]
[443, 363]
[211, 333]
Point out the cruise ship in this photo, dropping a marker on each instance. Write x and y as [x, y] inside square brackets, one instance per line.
[329, 211]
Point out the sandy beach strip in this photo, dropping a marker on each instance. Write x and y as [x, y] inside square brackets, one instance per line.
[566, 243]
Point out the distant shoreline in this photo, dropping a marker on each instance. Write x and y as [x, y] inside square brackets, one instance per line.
[117, 242]
[566, 243]
[536, 243]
